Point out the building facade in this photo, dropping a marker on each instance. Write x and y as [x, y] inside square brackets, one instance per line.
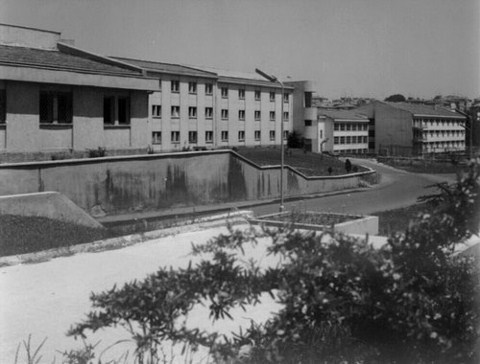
[414, 129]
[347, 131]
[55, 97]
[203, 108]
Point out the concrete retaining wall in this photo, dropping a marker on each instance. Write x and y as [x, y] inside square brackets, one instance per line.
[114, 185]
[52, 205]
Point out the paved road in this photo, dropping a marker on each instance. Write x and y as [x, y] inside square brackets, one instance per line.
[397, 189]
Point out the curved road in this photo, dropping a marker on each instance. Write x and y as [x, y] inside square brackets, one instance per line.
[397, 189]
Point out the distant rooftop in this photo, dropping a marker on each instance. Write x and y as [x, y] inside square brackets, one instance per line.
[343, 115]
[423, 109]
[169, 68]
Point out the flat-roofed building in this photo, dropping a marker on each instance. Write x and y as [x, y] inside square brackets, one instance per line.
[202, 107]
[413, 129]
[347, 131]
[56, 97]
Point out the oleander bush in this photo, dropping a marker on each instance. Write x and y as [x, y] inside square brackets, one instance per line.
[343, 301]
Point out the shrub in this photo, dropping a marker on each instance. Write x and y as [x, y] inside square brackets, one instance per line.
[412, 301]
[97, 153]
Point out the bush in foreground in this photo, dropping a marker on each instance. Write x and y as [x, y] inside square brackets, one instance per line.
[413, 301]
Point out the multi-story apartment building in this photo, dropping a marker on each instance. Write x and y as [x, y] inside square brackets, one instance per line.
[55, 97]
[200, 107]
[405, 128]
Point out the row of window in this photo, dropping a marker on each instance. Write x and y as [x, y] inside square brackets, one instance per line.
[192, 113]
[350, 126]
[192, 89]
[353, 151]
[437, 122]
[57, 108]
[193, 136]
[354, 139]
[443, 145]
[444, 133]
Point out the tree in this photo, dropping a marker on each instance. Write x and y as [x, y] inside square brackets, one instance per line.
[294, 140]
[348, 165]
[412, 301]
[396, 98]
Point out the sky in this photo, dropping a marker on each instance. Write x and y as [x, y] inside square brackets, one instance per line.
[356, 48]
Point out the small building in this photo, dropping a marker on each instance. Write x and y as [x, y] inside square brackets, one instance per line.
[55, 97]
[347, 131]
[203, 108]
[411, 129]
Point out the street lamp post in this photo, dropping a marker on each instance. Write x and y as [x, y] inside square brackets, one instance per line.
[282, 157]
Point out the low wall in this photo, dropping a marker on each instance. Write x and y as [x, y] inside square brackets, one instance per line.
[114, 185]
[51, 205]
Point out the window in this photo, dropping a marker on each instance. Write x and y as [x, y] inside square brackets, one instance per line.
[156, 137]
[225, 92]
[224, 114]
[348, 140]
[241, 135]
[224, 136]
[123, 110]
[354, 139]
[55, 107]
[192, 137]
[175, 86]
[354, 127]
[157, 111]
[285, 135]
[208, 89]
[272, 96]
[175, 112]
[308, 99]
[308, 122]
[208, 112]
[175, 138]
[241, 114]
[285, 97]
[209, 136]
[192, 87]
[342, 126]
[349, 127]
[257, 135]
[3, 107]
[192, 112]
[272, 115]
[285, 116]
[336, 127]
[335, 140]
[108, 110]
[241, 94]
[257, 95]
[272, 135]
[321, 134]
[257, 115]
[342, 140]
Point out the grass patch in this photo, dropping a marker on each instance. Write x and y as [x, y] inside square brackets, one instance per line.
[310, 164]
[398, 220]
[28, 234]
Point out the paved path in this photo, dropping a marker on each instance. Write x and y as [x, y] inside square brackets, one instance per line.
[397, 189]
[45, 299]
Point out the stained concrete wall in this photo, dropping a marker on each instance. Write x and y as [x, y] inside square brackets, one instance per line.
[116, 185]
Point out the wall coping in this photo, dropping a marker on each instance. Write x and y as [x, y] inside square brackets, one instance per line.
[182, 154]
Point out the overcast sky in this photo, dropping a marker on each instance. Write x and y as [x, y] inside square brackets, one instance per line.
[366, 48]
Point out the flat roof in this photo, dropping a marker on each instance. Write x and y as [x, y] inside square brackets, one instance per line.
[425, 110]
[161, 67]
[350, 115]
